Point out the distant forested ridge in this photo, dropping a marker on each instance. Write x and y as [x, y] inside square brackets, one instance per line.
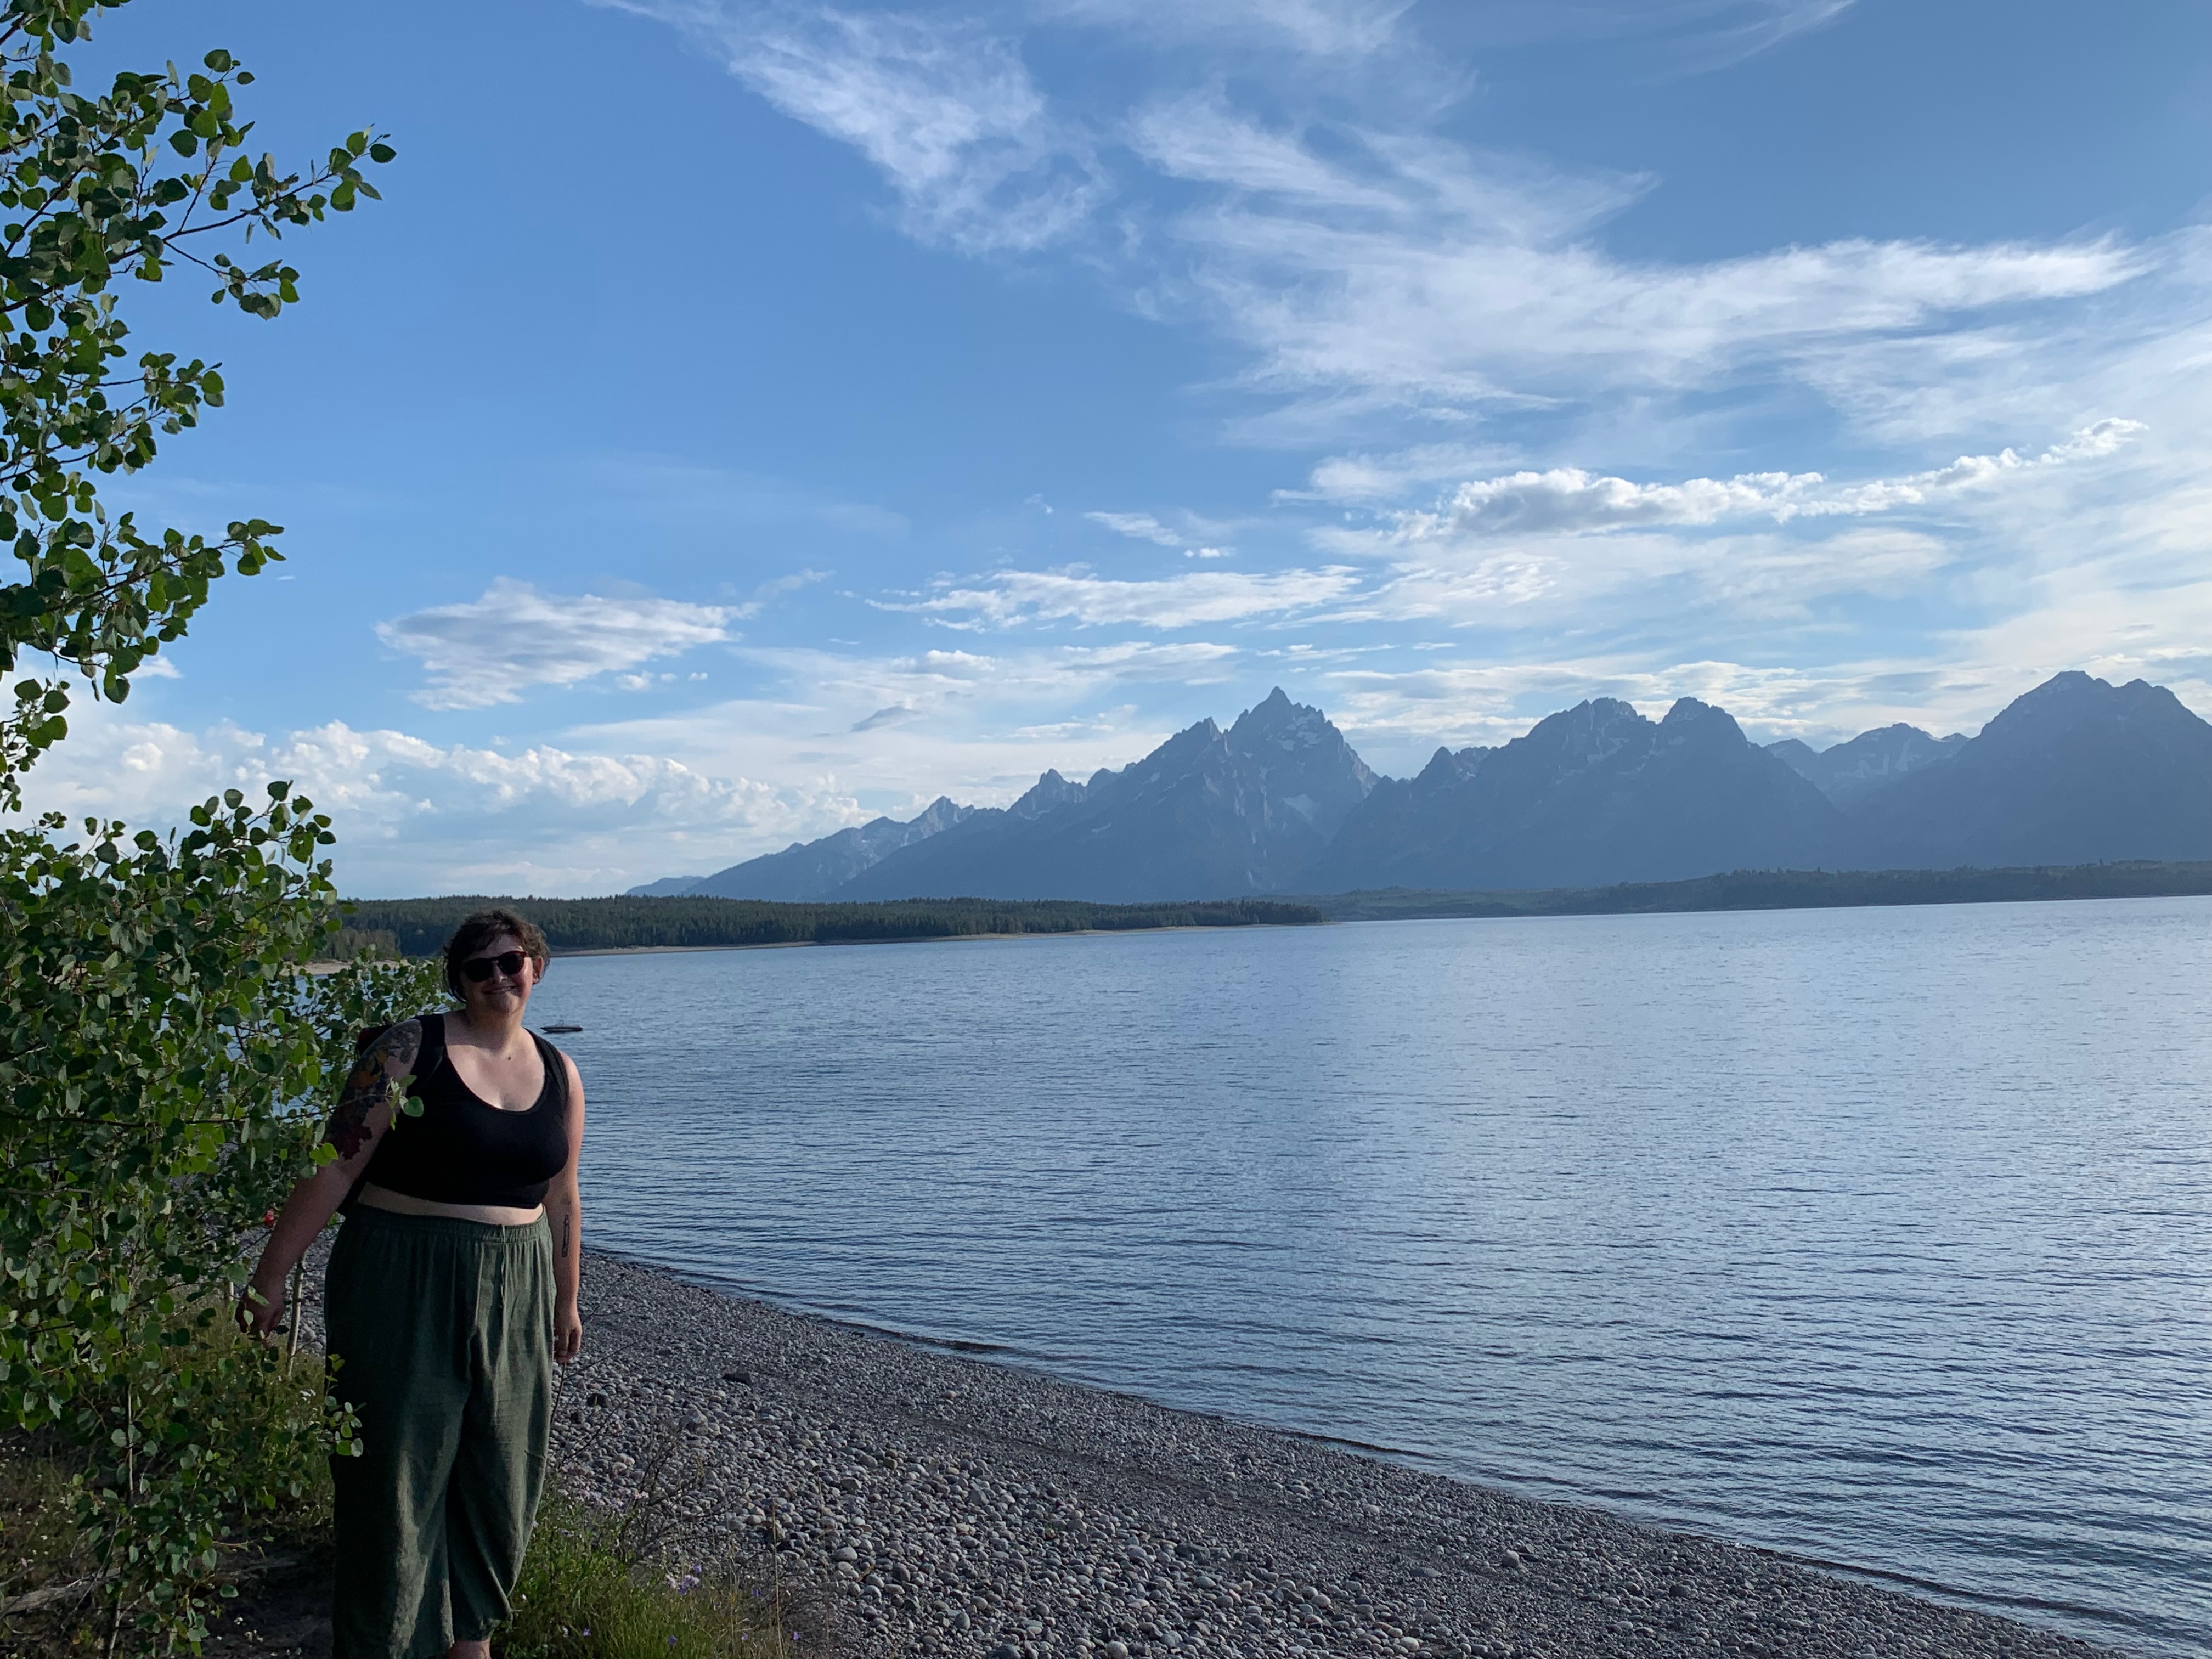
[422, 926]
[1789, 889]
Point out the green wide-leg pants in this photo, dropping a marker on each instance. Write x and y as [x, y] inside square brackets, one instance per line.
[444, 1332]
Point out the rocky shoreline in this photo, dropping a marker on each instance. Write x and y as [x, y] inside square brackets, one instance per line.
[942, 1505]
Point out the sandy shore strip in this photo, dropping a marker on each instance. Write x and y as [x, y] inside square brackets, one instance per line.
[952, 1506]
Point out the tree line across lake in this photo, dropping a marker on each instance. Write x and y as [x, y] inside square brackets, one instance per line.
[1789, 889]
[417, 927]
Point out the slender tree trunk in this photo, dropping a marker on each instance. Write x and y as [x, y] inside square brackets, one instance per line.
[129, 1497]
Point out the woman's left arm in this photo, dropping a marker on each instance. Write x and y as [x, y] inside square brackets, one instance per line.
[564, 1210]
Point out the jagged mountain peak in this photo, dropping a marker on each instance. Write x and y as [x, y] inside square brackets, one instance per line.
[1208, 813]
[1691, 721]
[1687, 710]
[1181, 749]
[1576, 740]
[1847, 773]
[1275, 719]
[2075, 770]
[940, 814]
[1447, 766]
[1592, 794]
[806, 870]
[2071, 688]
[2067, 699]
[1048, 792]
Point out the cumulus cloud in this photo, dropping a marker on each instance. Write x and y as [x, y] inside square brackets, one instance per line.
[1203, 595]
[492, 649]
[416, 816]
[1568, 499]
[946, 110]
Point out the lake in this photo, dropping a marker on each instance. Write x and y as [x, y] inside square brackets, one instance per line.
[1880, 1237]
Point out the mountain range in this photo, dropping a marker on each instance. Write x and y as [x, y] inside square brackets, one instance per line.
[2074, 772]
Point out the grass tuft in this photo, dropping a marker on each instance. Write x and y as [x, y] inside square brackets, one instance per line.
[584, 1595]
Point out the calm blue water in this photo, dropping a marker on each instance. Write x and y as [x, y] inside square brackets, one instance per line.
[1883, 1236]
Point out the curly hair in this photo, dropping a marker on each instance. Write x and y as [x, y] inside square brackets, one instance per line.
[481, 929]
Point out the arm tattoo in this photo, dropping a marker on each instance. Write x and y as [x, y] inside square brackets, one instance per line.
[374, 1082]
[567, 1229]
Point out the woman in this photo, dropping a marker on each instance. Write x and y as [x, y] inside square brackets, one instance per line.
[451, 1292]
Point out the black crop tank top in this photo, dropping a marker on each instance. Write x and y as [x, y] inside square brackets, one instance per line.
[460, 1149]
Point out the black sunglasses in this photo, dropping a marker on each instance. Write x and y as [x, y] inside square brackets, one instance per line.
[477, 969]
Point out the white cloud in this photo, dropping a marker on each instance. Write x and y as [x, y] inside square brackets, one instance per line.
[1373, 270]
[1721, 27]
[898, 730]
[1387, 477]
[776, 589]
[1139, 526]
[1569, 499]
[491, 649]
[1671, 36]
[948, 112]
[1323, 28]
[414, 816]
[1411, 269]
[1170, 602]
[609, 805]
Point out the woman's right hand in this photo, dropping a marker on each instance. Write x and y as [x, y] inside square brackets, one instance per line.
[260, 1307]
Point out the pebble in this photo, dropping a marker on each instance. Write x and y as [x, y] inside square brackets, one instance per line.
[940, 1505]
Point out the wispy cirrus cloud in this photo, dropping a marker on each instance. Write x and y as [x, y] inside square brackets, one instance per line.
[1676, 36]
[1371, 269]
[1380, 283]
[945, 108]
[1417, 271]
[1320, 29]
[491, 650]
[1012, 597]
[1390, 476]
[1642, 580]
[1143, 527]
[1139, 526]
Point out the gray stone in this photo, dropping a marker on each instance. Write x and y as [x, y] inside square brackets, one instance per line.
[1065, 1521]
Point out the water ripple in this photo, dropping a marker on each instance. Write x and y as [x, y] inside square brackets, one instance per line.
[1878, 1236]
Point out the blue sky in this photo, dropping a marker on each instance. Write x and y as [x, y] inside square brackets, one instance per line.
[740, 420]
